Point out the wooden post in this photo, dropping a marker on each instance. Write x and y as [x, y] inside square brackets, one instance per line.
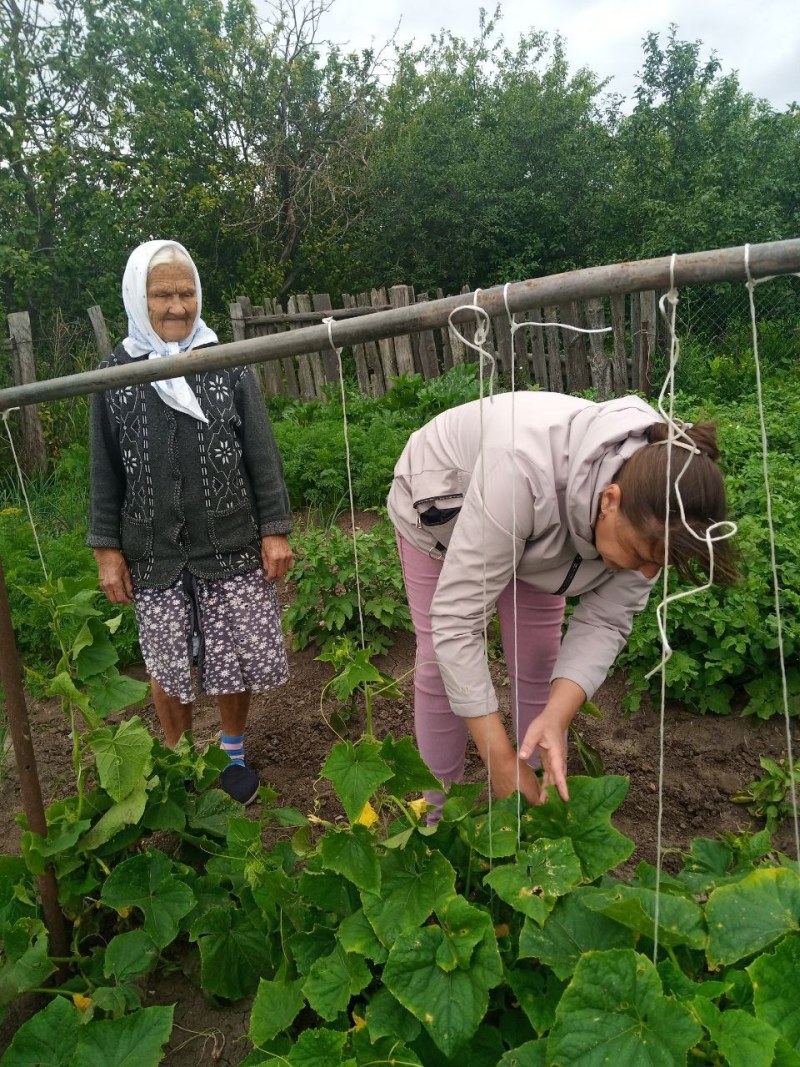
[330, 364]
[577, 362]
[20, 730]
[33, 454]
[359, 356]
[447, 346]
[619, 362]
[402, 296]
[427, 348]
[314, 358]
[601, 367]
[502, 332]
[272, 307]
[538, 358]
[386, 344]
[553, 350]
[636, 340]
[372, 354]
[648, 328]
[101, 338]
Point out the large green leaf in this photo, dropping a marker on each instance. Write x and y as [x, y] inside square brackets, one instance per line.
[449, 1004]
[146, 882]
[538, 992]
[497, 833]
[320, 1048]
[356, 771]
[748, 916]
[531, 1054]
[211, 812]
[27, 963]
[122, 754]
[742, 1039]
[586, 821]
[352, 854]
[614, 1012]
[542, 873]
[275, 1007]
[95, 651]
[355, 934]
[411, 889]
[124, 813]
[333, 980]
[112, 691]
[386, 1017]
[680, 921]
[48, 1039]
[234, 952]
[410, 773]
[776, 980]
[129, 954]
[133, 1041]
[569, 931]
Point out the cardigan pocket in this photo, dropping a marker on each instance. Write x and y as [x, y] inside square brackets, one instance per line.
[136, 537]
[233, 529]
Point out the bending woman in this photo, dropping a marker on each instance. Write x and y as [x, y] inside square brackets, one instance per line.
[189, 512]
[572, 505]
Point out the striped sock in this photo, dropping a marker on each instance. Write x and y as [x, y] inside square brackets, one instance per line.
[234, 746]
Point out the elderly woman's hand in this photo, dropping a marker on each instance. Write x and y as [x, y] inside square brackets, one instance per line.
[276, 556]
[114, 576]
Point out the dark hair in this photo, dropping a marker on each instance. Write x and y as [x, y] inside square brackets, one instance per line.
[642, 480]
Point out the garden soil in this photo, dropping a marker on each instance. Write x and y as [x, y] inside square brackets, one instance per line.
[707, 759]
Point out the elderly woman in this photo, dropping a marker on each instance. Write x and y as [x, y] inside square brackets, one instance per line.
[189, 512]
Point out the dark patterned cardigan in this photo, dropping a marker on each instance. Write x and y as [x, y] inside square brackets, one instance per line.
[175, 494]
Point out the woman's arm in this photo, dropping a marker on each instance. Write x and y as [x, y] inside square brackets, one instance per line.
[548, 731]
[506, 772]
[262, 459]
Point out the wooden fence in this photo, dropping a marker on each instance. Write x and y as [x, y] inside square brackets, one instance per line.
[545, 353]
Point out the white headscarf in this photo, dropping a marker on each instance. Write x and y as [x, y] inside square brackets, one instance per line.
[142, 339]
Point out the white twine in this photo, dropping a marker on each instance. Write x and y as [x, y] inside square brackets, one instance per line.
[750, 286]
[338, 353]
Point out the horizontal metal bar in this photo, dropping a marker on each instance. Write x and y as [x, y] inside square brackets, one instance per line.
[694, 268]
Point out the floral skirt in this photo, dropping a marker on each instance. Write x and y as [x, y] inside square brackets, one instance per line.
[230, 626]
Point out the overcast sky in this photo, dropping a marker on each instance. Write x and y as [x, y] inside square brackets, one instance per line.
[758, 38]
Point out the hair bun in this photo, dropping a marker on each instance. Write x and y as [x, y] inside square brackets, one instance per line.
[703, 435]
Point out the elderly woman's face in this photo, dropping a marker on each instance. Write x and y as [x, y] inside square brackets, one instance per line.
[171, 300]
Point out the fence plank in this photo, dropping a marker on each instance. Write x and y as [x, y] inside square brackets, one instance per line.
[428, 359]
[619, 361]
[636, 339]
[33, 453]
[502, 333]
[305, 377]
[314, 358]
[538, 358]
[402, 296]
[648, 330]
[446, 341]
[359, 356]
[372, 354]
[322, 302]
[291, 385]
[522, 365]
[553, 348]
[600, 364]
[386, 345]
[274, 384]
[101, 338]
[576, 362]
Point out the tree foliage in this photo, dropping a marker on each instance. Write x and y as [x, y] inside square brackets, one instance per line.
[286, 164]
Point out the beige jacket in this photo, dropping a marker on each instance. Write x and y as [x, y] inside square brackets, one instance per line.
[527, 470]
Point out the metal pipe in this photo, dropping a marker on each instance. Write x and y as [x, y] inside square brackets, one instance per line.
[20, 730]
[694, 268]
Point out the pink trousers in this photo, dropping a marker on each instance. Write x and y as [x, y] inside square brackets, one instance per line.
[442, 735]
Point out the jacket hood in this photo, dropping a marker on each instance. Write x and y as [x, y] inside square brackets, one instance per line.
[601, 438]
